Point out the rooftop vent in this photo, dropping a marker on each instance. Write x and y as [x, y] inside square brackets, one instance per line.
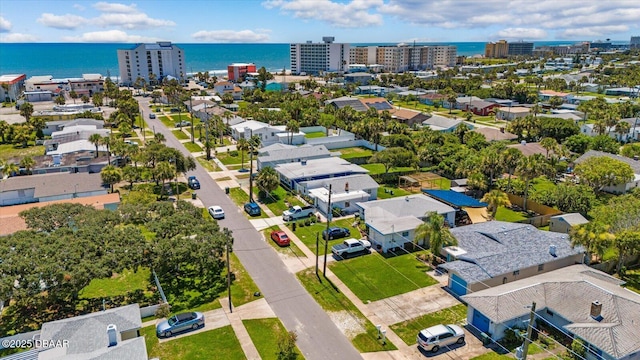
[112, 334]
[406, 198]
[596, 310]
[552, 250]
[303, 162]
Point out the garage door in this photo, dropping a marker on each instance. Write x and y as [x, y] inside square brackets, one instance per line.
[480, 321]
[458, 286]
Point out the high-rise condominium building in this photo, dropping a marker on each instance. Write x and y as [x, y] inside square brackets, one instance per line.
[635, 42]
[404, 57]
[314, 58]
[520, 48]
[498, 49]
[161, 59]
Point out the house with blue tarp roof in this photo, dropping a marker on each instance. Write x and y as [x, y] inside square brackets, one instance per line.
[453, 198]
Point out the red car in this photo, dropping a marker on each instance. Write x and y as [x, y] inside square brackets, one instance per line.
[280, 238]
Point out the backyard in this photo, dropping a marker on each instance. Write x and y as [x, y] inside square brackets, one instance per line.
[8, 151]
[220, 343]
[354, 152]
[265, 334]
[506, 214]
[315, 134]
[377, 168]
[118, 284]
[374, 277]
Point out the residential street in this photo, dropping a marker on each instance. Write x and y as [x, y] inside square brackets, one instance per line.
[318, 337]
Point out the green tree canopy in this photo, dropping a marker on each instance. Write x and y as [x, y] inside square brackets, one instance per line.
[600, 172]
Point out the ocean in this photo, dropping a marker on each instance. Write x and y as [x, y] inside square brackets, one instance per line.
[65, 60]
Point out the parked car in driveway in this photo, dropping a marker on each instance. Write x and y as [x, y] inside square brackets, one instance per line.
[216, 212]
[183, 123]
[280, 237]
[335, 233]
[179, 323]
[435, 337]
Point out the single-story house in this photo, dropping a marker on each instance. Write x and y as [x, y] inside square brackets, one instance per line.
[564, 222]
[432, 98]
[59, 125]
[492, 134]
[620, 188]
[496, 252]
[345, 101]
[305, 170]
[291, 153]
[49, 187]
[371, 90]
[512, 113]
[546, 95]
[580, 301]
[528, 149]
[391, 223]
[565, 115]
[346, 191]
[362, 78]
[461, 102]
[109, 334]
[480, 107]
[623, 91]
[631, 135]
[442, 123]
[378, 103]
[267, 133]
[408, 117]
[74, 139]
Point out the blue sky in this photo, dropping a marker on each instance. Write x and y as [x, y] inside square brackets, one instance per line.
[285, 21]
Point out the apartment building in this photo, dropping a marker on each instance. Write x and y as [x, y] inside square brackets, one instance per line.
[520, 48]
[366, 55]
[12, 86]
[236, 71]
[444, 55]
[162, 59]
[405, 57]
[635, 42]
[315, 58]
[498, 49]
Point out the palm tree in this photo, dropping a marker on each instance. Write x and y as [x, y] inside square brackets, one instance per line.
[626, 242]
[111, 175]
[26, 110]
[27, 163]
[4, 129]
[292, 127]
[106, 141]
[74, 95]
[622, 128]
[548, 144]
[267, 179]
[495, 199]
[10, 168]
[510, 159]
[164, 171]
[528, 169]
[96, 140]
[242, 146]
[436, 232]
[594, 237]
[159, 138]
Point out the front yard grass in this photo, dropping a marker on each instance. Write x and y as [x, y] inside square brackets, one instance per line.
[9, 151]
[243, 287]
[167, 121]
[239, 196]
[337, 304]
[355, 152]
[407, 330]
[192, 147]
[180, 135]
[307, 234]
[265, 334]
[118, 284]
[632, 277]
[275, 200]
[210, 165]
[291, 250]
[492, 355]
[233, 157]
[372, 277]
[220, 343]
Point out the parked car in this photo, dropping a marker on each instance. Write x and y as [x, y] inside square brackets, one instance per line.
[335, 233]
[179, 323]
[252, 209]
[152, 116]
[183, 123]
[216, 212]
[297, 212]
[280, 237]
[194, 184]
[435, 337]
[350, 248]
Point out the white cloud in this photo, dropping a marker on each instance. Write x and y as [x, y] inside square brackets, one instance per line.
[78, 7]
[522, 34]
[593, 32]
[354, 14]
[110, 36]
[5, 25]
[17, 38]
[65, 22]
[131, 21]
[230, 36]
[115, 8]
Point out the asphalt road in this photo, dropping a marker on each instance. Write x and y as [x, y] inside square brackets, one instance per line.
[318, 336]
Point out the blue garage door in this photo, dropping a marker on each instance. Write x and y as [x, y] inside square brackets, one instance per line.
[458, 286]
[480, 321]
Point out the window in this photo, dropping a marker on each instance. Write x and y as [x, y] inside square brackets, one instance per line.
[347, 204]
[516, 273]
[405, 233]
[540, 267]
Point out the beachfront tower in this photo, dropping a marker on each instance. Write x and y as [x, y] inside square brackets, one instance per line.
[315, 58]
[162, 59]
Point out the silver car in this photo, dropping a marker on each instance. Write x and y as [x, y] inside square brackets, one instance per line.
[216, 212]
[431, 339]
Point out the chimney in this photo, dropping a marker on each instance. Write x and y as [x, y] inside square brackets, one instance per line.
[112, 334]
[596, 310]
[303, 162]
[552, 250]
[346, 187]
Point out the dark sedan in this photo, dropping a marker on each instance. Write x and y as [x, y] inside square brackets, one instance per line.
[335, 233]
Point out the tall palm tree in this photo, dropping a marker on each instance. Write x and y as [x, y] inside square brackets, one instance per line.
[242, 145]
[549, 144]
[10, 169]
[529, 168]
[495, 199]
[267, 179]
[164, 171]
[510, 159]
[622, 128]
[106, 141]
[27, 163]
[436, 232]
[292, 127]
[159, 138]
[111, 175]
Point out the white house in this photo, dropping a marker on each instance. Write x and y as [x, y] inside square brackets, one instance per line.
[512, 112]
[619, 188]
[293, 173]
[442, 123]
[73, 139]
[633, 134]
[391, 223]
[281, 153]
[269, 134]
[346, 191]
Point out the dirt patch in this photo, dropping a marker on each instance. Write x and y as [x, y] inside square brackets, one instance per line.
[350, 325]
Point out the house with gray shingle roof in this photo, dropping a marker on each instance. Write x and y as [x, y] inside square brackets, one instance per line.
[442, 123]
[580, 301]
[290, 154]
[345, 101]
[495, 252]
[49, 187]
[620, 188]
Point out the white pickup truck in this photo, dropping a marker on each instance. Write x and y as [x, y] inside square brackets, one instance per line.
[297, 212]
[350, 248]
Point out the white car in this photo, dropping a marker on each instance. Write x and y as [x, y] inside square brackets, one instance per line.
[216, 212]
[431, 339]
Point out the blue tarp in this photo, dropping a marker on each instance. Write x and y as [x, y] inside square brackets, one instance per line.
[453, 198]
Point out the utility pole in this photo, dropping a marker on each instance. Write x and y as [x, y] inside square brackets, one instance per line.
[144, 136]
[251, 167]
[206, 132]
[191, 116]
[229, 275]
[317, 249]
[527, 340]
[326, 240]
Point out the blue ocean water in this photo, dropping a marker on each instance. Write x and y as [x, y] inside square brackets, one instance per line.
[62, 60]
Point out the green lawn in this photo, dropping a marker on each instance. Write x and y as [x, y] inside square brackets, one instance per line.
[375, 169]
[354, 152]
[243, 287]
[167, 121]
[220, 343]
[275, 200]
[291, 250]
[407, 330]
[8, 151]
[316, 134]
[372, 277]
[180, 135]
[397, 192]
[265, 334]
[413, 105]
[632, 277]
[491, 355]
[506, 214]
[239, 196]
[228, 158]
[118, 284]
[192, 147]
[210, 165]
[542, 184]
[332, 302]
[307, 234]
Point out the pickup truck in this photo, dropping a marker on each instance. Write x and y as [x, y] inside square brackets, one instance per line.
[350, 248]
[193, 183]
[297, 212]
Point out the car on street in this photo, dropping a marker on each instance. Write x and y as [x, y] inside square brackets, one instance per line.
[436, 337]
[152, 116]
[252, 209]
[183, 123]
[216, 212]
[179, 323]
[193, 183]
[280, 237]
[335, 233]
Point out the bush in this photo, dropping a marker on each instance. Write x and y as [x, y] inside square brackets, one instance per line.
[307, 222]
[233, 153]
[163, 311]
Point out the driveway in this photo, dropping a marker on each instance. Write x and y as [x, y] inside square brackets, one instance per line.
[318, 337]
[410, 305]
